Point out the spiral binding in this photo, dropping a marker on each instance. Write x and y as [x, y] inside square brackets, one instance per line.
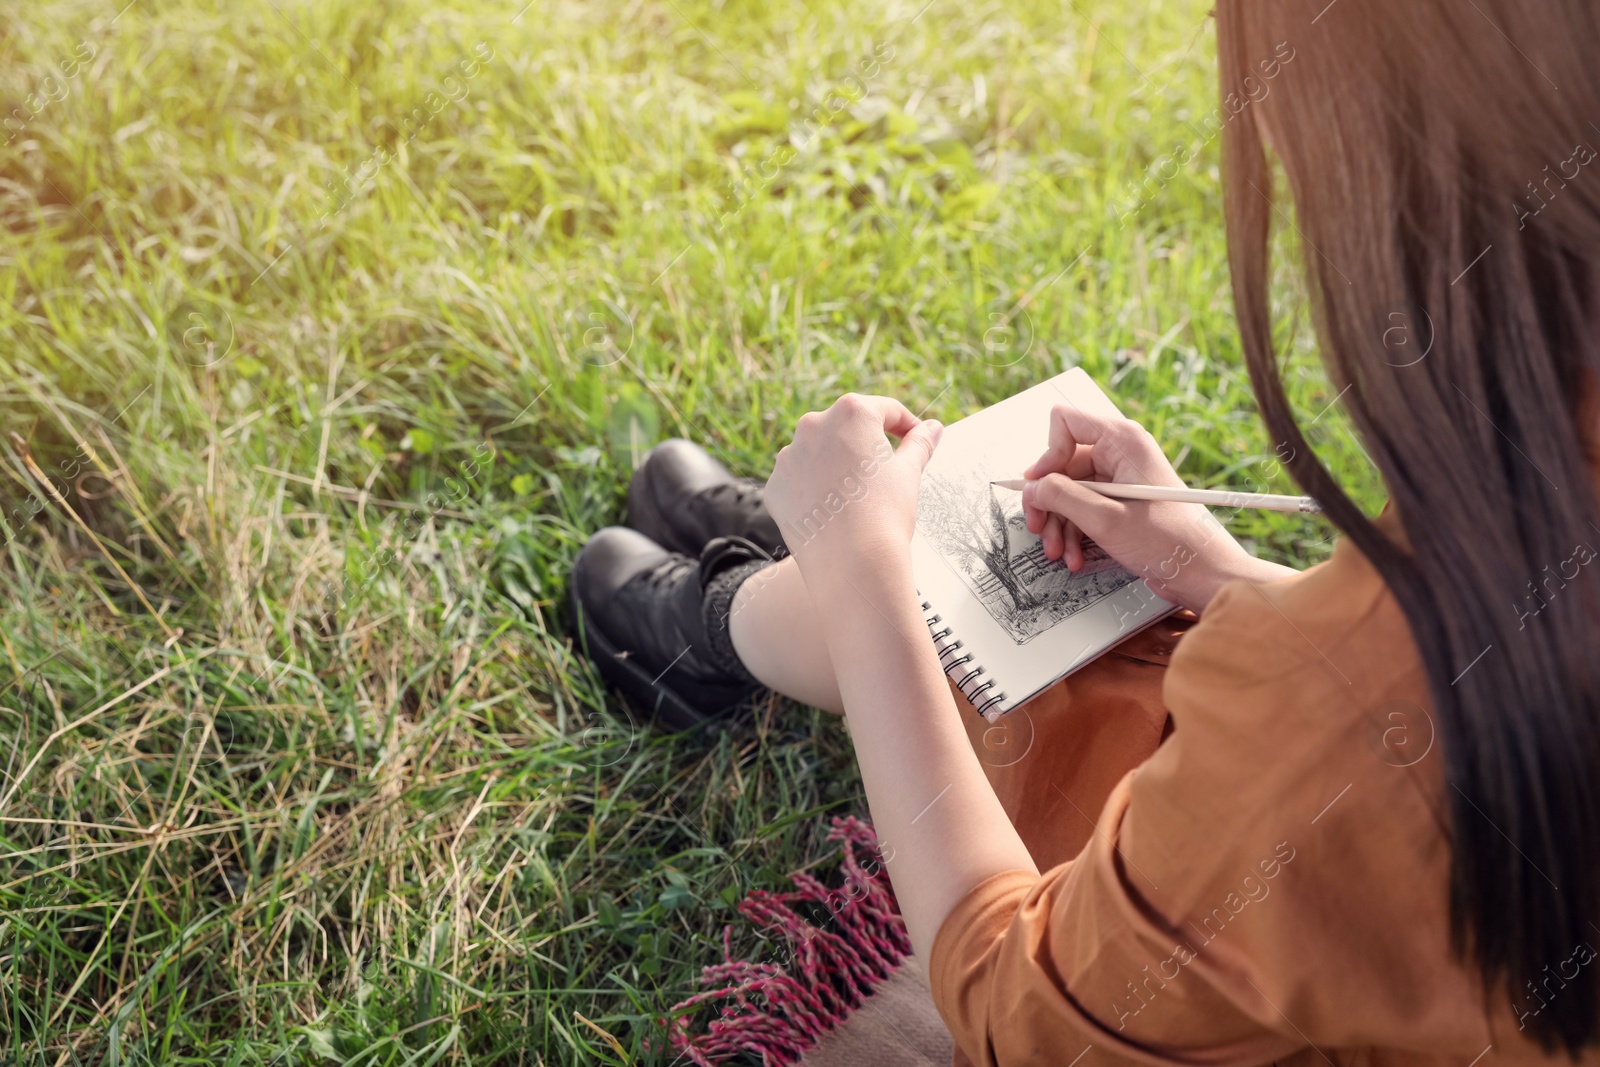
[948, 645]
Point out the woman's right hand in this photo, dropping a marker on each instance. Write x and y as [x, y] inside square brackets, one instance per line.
[1180, 550]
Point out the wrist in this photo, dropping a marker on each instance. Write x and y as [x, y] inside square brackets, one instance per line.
[1196, 589]
[860, 590]
[876, 560]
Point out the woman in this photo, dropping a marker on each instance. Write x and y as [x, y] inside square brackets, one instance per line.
[1277, 880]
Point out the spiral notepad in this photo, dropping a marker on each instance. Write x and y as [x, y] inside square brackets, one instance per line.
[1007, 621]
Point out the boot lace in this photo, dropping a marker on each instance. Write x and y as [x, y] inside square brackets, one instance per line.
[666, 573]
[742, 491]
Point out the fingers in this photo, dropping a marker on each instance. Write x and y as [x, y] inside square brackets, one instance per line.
[1060, 495]
[1050, 535]
[918, 437]
[1073, 552]
[1070, 427]
[918, 444]
[1062, 539]
[1088, 446]
[1034, 518]
[895, 417]
[1079, 468]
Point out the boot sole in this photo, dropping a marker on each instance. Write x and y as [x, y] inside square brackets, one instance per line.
[642, 689]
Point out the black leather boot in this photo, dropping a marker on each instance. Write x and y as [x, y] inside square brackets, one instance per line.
[656, 622]
[681, 498]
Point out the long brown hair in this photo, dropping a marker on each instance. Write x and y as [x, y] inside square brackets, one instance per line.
[1447, 196]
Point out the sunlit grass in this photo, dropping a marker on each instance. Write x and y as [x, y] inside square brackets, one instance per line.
[339, 324]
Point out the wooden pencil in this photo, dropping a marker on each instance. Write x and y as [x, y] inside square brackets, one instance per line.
[1217, 498]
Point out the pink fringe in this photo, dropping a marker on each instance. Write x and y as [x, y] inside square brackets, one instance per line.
[777, 1013]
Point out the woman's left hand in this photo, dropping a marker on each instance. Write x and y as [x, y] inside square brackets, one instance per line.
[840, 493]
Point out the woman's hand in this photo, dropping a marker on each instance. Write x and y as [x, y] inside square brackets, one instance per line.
[1180, 550]
[840, 493]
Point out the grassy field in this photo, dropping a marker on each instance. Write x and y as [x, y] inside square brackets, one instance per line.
[330, 332]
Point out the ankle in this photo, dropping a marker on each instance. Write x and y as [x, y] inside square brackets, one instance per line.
[722, 602]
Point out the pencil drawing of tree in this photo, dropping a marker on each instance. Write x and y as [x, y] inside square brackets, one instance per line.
[996, 552]
[980, 531]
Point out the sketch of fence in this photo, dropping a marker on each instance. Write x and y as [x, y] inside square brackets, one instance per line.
[1034, 563]
[1027, 566]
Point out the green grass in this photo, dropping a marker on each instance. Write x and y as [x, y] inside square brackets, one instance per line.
[300, 763]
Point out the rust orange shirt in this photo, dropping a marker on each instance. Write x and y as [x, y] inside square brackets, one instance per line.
[1270, 886]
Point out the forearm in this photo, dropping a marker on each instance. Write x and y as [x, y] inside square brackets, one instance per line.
[940, 825]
